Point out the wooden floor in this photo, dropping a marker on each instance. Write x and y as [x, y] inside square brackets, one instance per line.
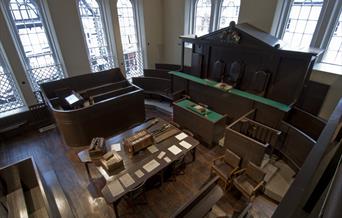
[52, 155]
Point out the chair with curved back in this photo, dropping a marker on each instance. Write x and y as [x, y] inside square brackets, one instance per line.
[249, 180]
[225, 166]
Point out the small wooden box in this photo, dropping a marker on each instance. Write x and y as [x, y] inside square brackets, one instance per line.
[112, 162]
[138, 141]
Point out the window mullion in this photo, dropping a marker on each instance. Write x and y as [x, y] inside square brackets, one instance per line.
[329, 20]
[284, 17]
[214, 15]
[322, 24]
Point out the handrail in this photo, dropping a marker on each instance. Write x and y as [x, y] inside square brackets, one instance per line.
[331, 206]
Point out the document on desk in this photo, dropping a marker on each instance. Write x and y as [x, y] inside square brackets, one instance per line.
[115, 147]
[181, 136]
[161, 154]
[139, 173]
[126, 180]
[167, 159]
[152, 149]
[174, 150]
[115, 188]
[151, 165]
[185, 144]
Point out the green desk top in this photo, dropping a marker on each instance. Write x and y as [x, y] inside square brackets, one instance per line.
[211, 115]
[238, 92]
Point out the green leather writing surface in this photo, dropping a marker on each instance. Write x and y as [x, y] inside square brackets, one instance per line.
[211, 115]
[278, 105]
[238, 92]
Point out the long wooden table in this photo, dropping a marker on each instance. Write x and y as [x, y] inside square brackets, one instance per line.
[136, 162]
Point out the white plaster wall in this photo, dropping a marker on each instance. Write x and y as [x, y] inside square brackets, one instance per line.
[154, 34]
[335, 91]
[67, 26]
[258, 13]
[173, 28]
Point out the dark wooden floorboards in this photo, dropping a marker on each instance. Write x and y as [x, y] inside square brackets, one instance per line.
[52, 155]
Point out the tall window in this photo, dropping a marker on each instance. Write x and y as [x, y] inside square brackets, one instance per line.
[10, 99]
[333, 53]
[209, 15]
[302, 21]
[229, 12]
[34, 41]
[132, 52]
[202, 17]
[315, 23]
[94, 28]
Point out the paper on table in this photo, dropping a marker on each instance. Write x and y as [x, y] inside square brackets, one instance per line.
[161, 154]
[167, 159]
[185, 144]
[181, 136]
[115, 147]
[115, 188]
[152, 149]
[139, 173]
[126, 180]
[174, 149]
[151, 165]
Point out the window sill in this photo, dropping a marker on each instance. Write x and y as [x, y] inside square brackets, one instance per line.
[328, 68]
[13, 112]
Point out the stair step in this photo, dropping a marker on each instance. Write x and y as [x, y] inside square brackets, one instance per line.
[40, 213]
[16, 204]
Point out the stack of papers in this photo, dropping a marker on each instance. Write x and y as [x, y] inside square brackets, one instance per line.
[185, 144]
[181, 136]
[152, 149]
[151, 165]
[174, 149]
[139, 173]
[127, 180]
[115, 188]
[115, 147]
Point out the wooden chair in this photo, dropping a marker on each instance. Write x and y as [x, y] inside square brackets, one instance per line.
[225, 166]
[132, 196]
[249, 180]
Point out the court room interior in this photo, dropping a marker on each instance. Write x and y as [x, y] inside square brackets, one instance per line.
[170, 108]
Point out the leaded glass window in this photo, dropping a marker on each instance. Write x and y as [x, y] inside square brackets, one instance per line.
[132, 52]
[229, 12]
[94, 27]
[302, 21]
[333, 53]
[202, 17]
[10, 99]
[34, 42]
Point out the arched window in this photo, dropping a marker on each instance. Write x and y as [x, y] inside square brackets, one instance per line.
[301, 22]
[202, 17]
[34, 41]
[95, 34]
[132, 52]
[229, 12]
[10, 98]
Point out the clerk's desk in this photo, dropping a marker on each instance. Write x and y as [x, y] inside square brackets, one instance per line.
[136, 162]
